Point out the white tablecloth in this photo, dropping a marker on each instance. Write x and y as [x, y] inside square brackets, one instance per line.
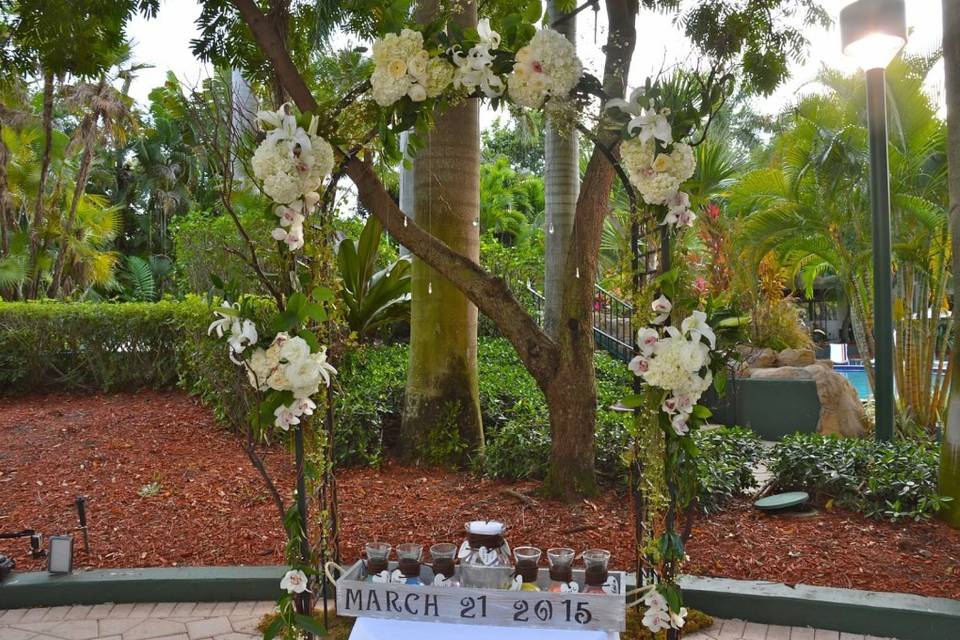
[378, 629]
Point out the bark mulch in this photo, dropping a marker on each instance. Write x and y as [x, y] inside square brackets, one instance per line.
[210, 507]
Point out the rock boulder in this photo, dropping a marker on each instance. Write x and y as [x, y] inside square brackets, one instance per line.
[841, 412]
[796, 358]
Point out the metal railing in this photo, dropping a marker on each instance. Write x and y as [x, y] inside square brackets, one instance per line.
[611, 321]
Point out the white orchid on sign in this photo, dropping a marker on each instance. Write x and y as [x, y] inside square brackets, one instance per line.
[294, 581]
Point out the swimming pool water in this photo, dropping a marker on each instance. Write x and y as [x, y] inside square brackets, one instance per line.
[858, 378]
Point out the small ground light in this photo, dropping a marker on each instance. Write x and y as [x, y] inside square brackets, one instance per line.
[60, 559]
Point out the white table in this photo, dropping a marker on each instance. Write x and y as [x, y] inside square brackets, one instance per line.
[380, 629]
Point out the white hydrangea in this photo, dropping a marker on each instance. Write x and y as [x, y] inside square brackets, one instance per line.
[291, 161]
[547, 66]
[402, 67]
[657, 178]
[676, 364]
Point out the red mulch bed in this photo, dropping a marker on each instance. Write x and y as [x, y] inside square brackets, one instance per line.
[212, 508]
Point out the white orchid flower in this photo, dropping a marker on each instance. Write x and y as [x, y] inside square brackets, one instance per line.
[695, 326]
[294, 581]
[647, 339]
[679, 424]
[285, 417]
[652, 124]
[226, 315]
[677, 620]
[656, 619]
[662, 307]
[305, 406]
[630, 106]
[516, 584]
[678, 210]
[684, 403]
[440, 580]
[569, 587]
[639, 365]
[243, 333]
[487, 35]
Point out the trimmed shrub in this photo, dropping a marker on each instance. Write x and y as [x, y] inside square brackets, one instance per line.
[892, 480]
[53, 346]
[80, 346]
[728, 456]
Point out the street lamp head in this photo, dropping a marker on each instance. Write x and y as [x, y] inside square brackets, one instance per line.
[873, 31]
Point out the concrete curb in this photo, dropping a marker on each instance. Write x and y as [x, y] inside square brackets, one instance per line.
[898, 615]
[179, 584]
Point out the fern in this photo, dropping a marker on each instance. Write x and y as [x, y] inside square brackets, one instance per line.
[142, 287]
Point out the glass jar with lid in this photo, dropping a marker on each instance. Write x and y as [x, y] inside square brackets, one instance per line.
[485, 561]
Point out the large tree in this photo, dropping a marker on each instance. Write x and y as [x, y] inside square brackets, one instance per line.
[563, 365]
[950, 453]
[441, 412]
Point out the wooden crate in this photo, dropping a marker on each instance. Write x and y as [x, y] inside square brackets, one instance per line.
[463, 605]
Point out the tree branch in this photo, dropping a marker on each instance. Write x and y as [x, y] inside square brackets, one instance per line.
[491, 294]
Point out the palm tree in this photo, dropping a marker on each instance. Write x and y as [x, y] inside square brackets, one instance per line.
[810, 206]
[441, 417]
[950, 452]
[562, 181]
[107, 112]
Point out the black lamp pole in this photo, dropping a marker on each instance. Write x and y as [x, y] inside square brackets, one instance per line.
[873, 31]
[882, 261]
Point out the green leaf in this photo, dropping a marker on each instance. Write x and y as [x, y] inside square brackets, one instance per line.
[273, 629]
[533, 11]
[633, 401]
[700, 411]
[720, 381]
[315, 312]
[321, 294]
[309, 624]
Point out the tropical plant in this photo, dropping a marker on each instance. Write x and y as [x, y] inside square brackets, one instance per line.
[810, 206]
[372, 298]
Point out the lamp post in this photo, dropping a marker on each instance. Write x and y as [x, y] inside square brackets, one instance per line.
[873, 32]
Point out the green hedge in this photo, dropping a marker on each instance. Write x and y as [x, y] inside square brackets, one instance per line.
[51, 346]
[55, 346]
[891, 480]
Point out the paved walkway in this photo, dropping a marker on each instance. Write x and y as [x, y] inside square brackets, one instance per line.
[238, 621]
[167, 620]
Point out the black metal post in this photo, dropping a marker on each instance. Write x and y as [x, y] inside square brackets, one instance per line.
[882, 261]
[304, 600]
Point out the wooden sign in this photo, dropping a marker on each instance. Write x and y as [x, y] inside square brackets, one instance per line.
[499, 607]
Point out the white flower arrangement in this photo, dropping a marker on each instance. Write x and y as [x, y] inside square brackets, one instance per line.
[657, 176]
[676, 360]
[288, 365]
[547, 67]
[475, 67]
[402, 67]
[291, 162]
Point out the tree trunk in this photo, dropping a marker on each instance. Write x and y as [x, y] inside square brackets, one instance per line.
[36, 228]
[441, 415]
[562, 186]
[950, 449]
[88, 133]
[6, 217]
[408, 202]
